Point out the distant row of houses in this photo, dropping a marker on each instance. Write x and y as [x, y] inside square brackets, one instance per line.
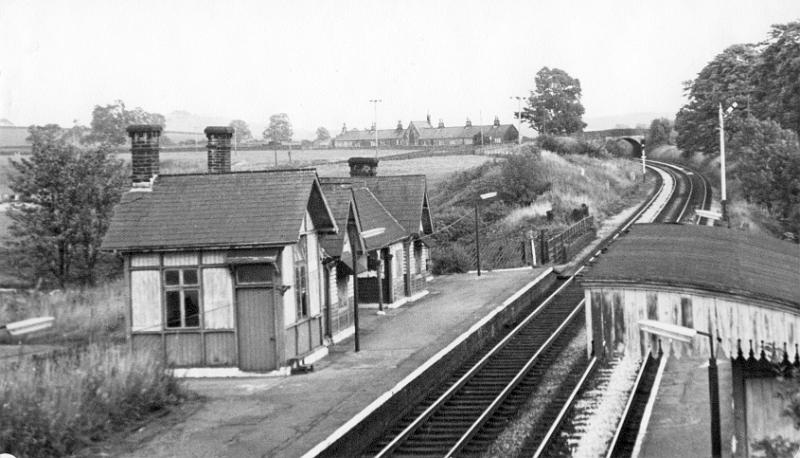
[255, 270]
[423, 133]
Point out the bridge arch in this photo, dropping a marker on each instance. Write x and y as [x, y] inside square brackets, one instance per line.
[635, 143]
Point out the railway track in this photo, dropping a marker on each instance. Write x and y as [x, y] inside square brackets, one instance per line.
[465, 414]
[690, 190]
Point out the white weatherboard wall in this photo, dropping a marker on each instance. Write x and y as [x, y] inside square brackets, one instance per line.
[217, 298]
[146, 300]
[287, 275]
[729, 318]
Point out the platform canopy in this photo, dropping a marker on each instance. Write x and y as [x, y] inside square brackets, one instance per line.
[714, 259]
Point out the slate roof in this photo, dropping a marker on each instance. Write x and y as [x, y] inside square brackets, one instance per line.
[365, 135]
[339, 197]
[402, 195]
[707, 258]
[464, 132]
[264, 208]
[372, 215]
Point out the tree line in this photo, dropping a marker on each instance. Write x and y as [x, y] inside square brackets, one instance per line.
[757, 85]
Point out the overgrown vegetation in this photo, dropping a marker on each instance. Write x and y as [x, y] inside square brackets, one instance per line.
[757, 87]
[56, 406]
[537, 190]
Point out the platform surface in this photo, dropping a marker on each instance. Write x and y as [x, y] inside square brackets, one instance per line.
[288, 416]
[680, 425]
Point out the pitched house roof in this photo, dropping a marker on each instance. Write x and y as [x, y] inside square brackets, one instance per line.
[366, 135]
[404, 196]
[712, 259]
[464, 131]
[264, 208]
[425, 124]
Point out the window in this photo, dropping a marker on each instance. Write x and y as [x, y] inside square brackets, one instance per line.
[301, 279]
[182, 290]
[248, 274]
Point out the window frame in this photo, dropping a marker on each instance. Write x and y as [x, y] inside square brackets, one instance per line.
[182, 287]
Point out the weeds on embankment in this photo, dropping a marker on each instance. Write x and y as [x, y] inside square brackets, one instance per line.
[56, 405]
[82, 316]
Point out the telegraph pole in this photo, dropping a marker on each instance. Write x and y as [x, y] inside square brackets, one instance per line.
[722, 189]
[375, 120]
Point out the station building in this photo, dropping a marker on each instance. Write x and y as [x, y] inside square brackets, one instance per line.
[743, 288]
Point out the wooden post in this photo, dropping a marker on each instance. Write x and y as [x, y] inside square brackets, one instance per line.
[355, 295]
[379, 266]
[739, 404]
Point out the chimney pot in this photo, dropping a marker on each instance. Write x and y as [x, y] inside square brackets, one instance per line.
[441, 124]
[496, 121]
[363, 166]
[145, 151]
[469, 123]
[219, 148]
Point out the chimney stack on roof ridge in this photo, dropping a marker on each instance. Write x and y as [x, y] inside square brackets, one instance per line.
[219, 148]
[145, 151]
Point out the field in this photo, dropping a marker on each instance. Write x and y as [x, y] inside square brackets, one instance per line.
[195, 161]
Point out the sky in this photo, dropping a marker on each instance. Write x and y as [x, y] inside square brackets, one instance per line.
[322, 62]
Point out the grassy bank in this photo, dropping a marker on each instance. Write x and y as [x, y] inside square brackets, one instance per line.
[537, 190]
[81, 316]
[60, 404]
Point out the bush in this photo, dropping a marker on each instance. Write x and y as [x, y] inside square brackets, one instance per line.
[568, 145]
[58, 405]
[450, 258]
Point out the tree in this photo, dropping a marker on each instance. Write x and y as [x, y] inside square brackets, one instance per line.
[279, 130]
[109, 122]
[776, 74]
[659, 132]
[522, 182]
[768, 165]
[323, 134]
[554, 108]
[69, 195]
[728, 78]
[241, 131]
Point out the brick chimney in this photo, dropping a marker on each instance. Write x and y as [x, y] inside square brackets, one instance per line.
[496, 121]
[399, 125]
[344, 128]
[441, 124]
[219, 148]
[363, 166]
[469, 123]
[144, 153]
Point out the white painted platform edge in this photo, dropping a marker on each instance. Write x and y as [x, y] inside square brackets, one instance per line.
[380, 400]
[345, 333]
[235, 372]
[648, 410]
[398, 303]
[226, 372]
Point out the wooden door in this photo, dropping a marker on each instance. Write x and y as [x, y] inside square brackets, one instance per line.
[255, 317]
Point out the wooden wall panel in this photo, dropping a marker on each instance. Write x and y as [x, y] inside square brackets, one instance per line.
[213, 257]
[180, 259]
[220, 349]
[303, 337]
[148, 343]
[290, 342]
[184, 349]
[764, 411]
[217, 298]
[316, 334]
[728, 319]
[146, 300]
[287, 277]
[145, 260]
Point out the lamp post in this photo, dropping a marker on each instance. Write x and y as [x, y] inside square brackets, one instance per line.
[644, 158]
[519, 117]
[722, 187]
[684, 334]
[375, 103]
[488, 195]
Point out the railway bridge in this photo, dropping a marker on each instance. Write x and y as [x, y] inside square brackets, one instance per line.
[634, 137]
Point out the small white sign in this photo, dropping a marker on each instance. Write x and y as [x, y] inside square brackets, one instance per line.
[708, 214]
[488, 195]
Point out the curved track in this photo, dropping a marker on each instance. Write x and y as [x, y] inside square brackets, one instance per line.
[466, 413]
[688, 190]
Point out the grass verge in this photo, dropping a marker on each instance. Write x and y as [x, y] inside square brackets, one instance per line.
[56, 405]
